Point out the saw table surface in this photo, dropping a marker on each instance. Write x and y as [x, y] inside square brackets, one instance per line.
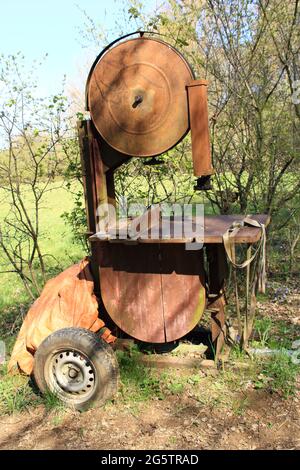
[216, 226]
[212, 231]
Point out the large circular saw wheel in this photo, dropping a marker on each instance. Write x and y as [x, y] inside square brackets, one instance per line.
[137, 97]
[78, 367]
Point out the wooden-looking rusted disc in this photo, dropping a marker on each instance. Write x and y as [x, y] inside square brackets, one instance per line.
[155, 293]
[137, 97]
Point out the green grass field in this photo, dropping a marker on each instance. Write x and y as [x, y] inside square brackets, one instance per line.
[56, 242]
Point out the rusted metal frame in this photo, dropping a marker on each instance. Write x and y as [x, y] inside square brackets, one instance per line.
[95, 186]
[217, 273]
[99, 176]
[218, 325]
[89, 192]
[162, 292]
[86, 165]
[93, 170]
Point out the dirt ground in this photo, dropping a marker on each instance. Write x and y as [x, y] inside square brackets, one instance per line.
[176, 423]
[210, 414]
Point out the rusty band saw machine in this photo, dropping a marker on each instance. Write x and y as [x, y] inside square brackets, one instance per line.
[143, 99]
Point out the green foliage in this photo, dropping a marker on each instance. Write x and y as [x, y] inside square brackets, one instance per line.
[171, 181]
[237, 353]
[263, 327]
[32, 131]
[133, 13]
[274, 334]
[76, 219]
[52, 402]
[138, 382]
[56, 239]
[283, 335]
[176, 386]
[15, 393]
[279, 375]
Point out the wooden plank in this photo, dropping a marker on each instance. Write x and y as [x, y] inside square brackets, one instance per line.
[167, 361]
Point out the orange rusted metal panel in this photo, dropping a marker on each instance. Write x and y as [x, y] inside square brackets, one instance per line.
[130, 284]
[67, 300]
[183, 289]
[153, 293]
[137, 97]
[198, 114]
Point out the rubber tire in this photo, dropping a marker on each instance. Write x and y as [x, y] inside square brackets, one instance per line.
[100, 354]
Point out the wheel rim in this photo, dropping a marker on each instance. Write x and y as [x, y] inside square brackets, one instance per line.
[71, 375]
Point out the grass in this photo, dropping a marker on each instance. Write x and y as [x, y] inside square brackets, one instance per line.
[15, 393]
[56, 242]
[138, 382]
[278, 334]
[18, 392]
[278, 374]
[176, 386]
[227, 390]
[52, 402]
[263, 327]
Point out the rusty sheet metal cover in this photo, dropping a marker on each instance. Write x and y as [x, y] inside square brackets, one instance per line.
[137, 97]
[183, 291]
[198, 110]
[66, 301]
[153, 293]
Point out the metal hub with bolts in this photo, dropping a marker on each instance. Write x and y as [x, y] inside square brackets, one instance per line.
[72, 372]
